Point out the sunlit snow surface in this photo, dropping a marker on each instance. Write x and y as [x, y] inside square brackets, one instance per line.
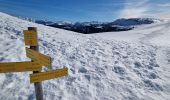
[133, 65]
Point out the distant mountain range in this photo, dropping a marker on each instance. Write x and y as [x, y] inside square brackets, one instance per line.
[96, 27]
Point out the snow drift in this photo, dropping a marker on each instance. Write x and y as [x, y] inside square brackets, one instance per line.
[130, 65]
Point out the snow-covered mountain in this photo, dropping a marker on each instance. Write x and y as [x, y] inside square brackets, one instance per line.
[134, 21]
[131, 65]
[97, 27]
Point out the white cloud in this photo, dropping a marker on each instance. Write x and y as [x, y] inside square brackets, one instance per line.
[164, 5]
[164, 16]
[161, 15]
[134, 9]
[144, 8]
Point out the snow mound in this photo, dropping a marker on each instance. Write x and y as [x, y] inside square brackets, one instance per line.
[100, 68]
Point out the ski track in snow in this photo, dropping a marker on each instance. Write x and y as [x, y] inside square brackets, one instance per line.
[163, 59]
[102, 66]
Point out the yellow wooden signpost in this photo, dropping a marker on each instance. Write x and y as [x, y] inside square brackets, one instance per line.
[37, 61]
[41, 58]
[38, 77]
[37, 85]
[19, 67]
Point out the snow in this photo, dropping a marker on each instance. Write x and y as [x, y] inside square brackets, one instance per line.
[132, 65]
[134, 21]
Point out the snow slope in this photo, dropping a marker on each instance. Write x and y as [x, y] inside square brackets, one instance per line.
[131, 65]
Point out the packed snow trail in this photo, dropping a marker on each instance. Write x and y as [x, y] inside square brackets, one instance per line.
[160, 38]
[163, 58]
[106, 66]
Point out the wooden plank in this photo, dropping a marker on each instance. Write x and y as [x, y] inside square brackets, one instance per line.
[19, 67]
[30, 38]
[38, 77]
[41, 58]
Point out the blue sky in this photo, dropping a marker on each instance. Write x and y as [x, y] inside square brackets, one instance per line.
[86, 10]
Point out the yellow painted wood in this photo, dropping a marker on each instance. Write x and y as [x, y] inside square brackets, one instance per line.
[41, 58]
[30, 38]
[38, 77]
[19, 67]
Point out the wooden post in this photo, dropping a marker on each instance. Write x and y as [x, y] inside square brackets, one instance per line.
[37, 85]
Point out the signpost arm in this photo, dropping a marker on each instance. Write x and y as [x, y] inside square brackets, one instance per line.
[37, 85]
